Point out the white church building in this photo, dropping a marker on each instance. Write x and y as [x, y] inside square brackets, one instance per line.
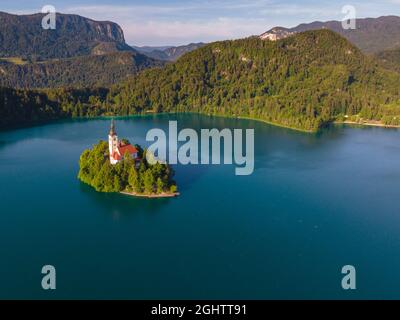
[117, 148]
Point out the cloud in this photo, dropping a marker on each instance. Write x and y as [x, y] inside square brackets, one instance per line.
[180, 24]
[174, 23]
[180, 32]
[193, 21]
[202, 7]
[298, 10]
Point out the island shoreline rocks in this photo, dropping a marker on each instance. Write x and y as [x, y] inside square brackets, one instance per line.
[150, 196]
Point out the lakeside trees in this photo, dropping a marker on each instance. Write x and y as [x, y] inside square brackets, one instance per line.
[27, 107]
[302, 82]
[128, 175]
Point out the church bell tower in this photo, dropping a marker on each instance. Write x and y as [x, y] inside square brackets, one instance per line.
[112, 138]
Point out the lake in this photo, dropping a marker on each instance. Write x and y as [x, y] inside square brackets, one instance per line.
[315, 203]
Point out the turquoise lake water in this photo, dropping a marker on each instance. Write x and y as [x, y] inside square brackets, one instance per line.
[314, 204]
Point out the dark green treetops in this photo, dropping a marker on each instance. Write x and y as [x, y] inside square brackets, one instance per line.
[136, 177]
[304, 82]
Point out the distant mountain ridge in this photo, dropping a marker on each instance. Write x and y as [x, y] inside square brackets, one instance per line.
[371, 36]
[148, 49]
[169, 53]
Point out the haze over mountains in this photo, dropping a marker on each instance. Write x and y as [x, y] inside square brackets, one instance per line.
[169, 53]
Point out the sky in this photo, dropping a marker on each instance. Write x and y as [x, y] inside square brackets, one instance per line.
[177, 22]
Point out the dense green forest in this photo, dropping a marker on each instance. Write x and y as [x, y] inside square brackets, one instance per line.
[390, 59]
[303, 82]
[27, 107]
[127, 175]
[85, 71]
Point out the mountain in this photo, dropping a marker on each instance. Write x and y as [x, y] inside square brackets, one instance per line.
[277, 34]
[174, 53]
[303, 82]
[79, 52]
[84, 71]
[169, 53]
[148, 49]
[23, 36]
[371, 36]
[154, 54]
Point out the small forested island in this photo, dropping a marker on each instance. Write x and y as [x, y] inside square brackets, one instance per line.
[121, 167]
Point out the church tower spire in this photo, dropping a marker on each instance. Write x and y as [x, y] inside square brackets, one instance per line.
[112, 141]
[112, 128]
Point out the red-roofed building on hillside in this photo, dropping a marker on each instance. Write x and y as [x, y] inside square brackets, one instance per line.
[117, 148]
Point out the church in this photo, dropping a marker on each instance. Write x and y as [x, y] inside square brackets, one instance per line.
[119, 148]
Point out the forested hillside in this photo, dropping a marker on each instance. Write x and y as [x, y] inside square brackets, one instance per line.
[390, 58]
[27, 107]
[301, 82]
[86, 71]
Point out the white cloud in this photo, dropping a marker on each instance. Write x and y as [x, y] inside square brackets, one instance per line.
[206, 20]
[209, 20]
[174, 25]
[181, 32]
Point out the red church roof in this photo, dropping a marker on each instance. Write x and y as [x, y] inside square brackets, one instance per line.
[127, 148]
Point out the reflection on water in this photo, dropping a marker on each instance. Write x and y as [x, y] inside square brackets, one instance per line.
[122, 205]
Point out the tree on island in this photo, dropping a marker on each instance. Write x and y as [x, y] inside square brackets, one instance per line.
[137, 177]
[148, 182]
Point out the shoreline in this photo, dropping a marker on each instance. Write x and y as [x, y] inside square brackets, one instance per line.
[66, 119]
[274, 124]
[150, 196]
[368, 124]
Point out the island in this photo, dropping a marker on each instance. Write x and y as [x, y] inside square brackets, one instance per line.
[122, 167]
